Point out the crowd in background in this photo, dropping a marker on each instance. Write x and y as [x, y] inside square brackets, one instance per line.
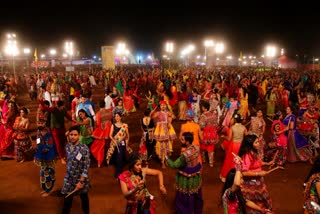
[219, 106]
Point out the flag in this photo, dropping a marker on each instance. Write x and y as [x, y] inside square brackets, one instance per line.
[35, 55]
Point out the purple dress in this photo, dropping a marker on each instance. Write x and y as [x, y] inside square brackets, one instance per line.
[298, 146]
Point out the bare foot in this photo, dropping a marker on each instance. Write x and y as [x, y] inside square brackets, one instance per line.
[63, 161]
[99, 166]
[46, 194]
[21, 161]
[42, 192]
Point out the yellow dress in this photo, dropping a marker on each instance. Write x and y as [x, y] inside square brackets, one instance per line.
[264, 87]
[164, 134]
[244, 106]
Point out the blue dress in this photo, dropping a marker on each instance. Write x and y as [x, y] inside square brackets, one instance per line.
[299, 139]
[298, 146]
[45, 158]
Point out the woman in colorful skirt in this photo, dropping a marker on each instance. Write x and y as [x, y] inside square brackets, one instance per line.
[311, 192]
[208, 125]
[298, 146]
[22, 141]
[194, 102]
[164, 132]
[9, 113]
[309, 127]
[133, 187]
[101, 132]
[277, 148]
[254, 187]
[45, 158]
[232, 198]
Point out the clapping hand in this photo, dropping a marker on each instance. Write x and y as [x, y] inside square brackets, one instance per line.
[237, 162]
[163, 190]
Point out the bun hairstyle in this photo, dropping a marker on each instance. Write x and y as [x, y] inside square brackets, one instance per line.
[277, 115]
[237, 118]
[25, 110]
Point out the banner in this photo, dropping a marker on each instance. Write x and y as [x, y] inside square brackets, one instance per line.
[40, 64]
[107, 57]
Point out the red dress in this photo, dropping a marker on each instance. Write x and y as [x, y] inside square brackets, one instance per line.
[100, 134]
[174, 99]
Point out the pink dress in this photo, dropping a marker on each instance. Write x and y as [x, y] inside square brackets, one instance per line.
[4, 117]
[254, 188]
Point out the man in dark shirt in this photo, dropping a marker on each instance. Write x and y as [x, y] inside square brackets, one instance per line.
[76, 180]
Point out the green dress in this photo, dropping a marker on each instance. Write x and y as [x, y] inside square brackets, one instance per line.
[271, 104]
[85, 132]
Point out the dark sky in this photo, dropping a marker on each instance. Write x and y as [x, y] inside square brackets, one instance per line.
[146, 29]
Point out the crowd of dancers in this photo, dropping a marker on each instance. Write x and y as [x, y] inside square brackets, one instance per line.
[217, 107]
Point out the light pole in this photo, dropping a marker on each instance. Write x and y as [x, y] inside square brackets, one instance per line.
[169, 50]
[190, 49]
[271, 52]
[52, 53]
[26, 52]
[69, 50]
[122, 51]
[11, 49]
[229, 58]
[207, 43]
[219, 49]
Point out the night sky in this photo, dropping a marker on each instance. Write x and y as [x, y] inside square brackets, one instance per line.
[147, 29]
